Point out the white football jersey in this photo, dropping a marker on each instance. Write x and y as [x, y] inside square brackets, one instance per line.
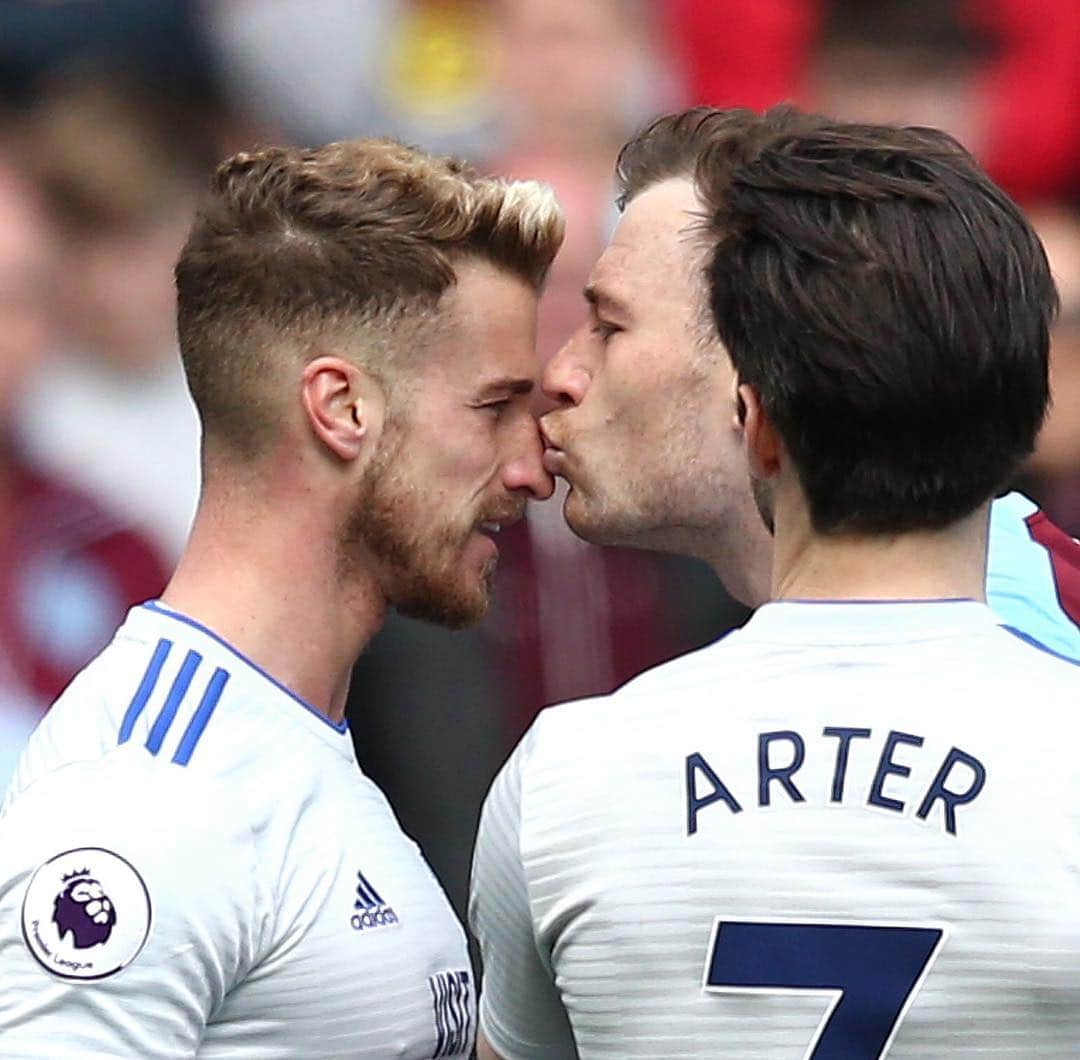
[843, 832]
[192, 864]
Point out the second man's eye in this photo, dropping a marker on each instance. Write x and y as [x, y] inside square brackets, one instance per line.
[603, 330]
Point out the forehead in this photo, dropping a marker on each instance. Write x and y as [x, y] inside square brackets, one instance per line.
[486, 326]
[655, 246]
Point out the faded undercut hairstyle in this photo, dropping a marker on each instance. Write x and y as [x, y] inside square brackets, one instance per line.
[355, 240]
[888, 302]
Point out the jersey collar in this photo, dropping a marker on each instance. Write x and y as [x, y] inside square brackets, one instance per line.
[868, 621]
[160, 616]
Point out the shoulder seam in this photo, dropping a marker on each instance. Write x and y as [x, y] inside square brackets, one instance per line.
[1028, 639]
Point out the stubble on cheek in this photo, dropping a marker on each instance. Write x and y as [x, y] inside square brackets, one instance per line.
[413, 548]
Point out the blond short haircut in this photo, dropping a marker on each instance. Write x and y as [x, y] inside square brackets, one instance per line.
[355, 240]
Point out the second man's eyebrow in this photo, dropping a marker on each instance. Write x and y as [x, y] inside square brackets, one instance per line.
[598, 298]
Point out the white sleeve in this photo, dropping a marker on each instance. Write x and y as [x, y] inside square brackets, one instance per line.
[521, 1012]
[127, 912]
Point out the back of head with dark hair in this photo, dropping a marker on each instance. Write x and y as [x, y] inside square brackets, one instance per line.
[889, 303]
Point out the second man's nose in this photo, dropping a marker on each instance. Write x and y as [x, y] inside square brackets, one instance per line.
[564, 379]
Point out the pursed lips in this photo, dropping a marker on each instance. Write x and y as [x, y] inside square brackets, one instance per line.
[555, 457]
[549, 442]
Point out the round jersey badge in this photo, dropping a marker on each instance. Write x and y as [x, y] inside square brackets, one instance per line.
[86, 914]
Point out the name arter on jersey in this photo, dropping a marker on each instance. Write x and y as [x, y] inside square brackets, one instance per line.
[957, 781]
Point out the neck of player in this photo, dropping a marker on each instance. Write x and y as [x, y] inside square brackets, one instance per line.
[946, 564]
[273, 589]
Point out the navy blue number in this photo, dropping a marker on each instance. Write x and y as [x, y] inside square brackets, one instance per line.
[873, 972]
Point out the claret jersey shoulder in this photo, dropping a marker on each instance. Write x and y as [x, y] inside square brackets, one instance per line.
[193, 850]
[1033, 575]
[882, 776]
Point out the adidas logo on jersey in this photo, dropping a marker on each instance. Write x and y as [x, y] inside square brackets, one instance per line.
[371, 910]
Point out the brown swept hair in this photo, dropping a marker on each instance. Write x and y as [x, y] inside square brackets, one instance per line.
[357, 239]
[890, 304]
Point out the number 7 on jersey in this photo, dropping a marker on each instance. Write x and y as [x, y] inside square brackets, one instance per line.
[869, 972]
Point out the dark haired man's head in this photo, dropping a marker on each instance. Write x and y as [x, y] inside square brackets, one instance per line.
[887, 302]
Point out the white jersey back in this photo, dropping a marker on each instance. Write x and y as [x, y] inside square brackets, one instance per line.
[191, 864]
[844, 831]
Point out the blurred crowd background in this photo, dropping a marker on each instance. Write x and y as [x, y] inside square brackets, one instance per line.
[113, 112]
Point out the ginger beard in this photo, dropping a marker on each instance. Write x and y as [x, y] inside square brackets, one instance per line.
[430, 565]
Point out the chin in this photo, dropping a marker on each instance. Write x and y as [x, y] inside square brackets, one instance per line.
[578, 517]
[596, 527]
[587, 530]
[451, 604]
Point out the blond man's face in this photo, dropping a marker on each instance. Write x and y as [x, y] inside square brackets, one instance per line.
[463, 457]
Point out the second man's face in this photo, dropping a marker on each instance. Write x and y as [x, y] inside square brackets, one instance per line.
[643, 433]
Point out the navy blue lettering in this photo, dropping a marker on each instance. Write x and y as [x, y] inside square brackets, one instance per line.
[695, 764]
[887, 767]
[952, 799]
[766, 772]
[845, 736]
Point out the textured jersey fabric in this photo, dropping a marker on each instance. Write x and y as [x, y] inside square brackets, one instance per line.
[192, 864]
[847, 830]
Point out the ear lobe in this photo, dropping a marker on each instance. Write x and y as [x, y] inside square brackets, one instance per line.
[764, 448]
[738, 419]
[344, 406]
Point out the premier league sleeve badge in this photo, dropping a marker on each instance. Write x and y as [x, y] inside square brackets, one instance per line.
[86, 914]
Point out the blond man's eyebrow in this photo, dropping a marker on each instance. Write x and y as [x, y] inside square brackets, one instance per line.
[517, 385]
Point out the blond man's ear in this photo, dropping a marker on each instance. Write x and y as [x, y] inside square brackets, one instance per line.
[345, 406]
